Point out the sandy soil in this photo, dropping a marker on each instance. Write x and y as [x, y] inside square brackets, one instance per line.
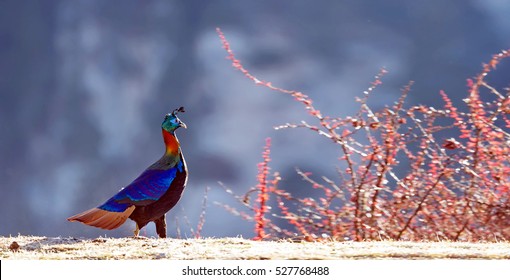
[35, 247]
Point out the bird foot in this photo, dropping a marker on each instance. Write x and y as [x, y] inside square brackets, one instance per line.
[140, 237]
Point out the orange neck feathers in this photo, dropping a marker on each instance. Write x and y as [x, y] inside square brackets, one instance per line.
[171, 143]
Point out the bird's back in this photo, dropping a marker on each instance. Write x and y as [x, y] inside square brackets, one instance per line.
[150, 212]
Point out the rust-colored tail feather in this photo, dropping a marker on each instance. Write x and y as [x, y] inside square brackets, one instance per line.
[101, 218]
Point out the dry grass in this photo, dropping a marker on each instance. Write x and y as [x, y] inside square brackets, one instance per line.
[34, 247]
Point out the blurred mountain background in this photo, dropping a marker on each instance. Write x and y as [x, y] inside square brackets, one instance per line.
[84, 86]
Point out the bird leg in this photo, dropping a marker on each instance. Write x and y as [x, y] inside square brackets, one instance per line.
[137, 230]
[161, 226]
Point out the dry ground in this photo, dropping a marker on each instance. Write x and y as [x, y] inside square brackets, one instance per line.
[34, 247]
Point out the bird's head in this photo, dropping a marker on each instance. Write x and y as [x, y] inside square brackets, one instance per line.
[172, 122]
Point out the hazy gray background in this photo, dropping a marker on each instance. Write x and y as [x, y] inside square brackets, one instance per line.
[84, 86]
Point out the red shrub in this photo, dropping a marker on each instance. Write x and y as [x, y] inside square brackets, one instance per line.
[263, 195]
[456, 188]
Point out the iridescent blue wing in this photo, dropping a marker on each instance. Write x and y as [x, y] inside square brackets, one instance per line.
[144, 190]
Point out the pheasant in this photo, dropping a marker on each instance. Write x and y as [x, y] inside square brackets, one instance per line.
[152, 194]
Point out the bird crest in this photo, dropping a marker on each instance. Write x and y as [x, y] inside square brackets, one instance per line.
[178, 110]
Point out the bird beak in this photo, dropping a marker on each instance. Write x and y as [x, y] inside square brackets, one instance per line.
[183, 125]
